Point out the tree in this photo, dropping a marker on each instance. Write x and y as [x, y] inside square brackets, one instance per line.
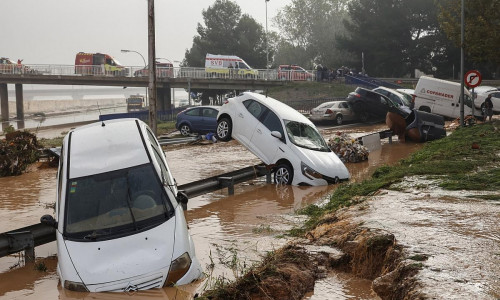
[482, 30]
[308, 29]
[226, 31]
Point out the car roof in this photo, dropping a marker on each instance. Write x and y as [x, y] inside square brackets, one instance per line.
[95, 149]
[279, 108]
[407, 91]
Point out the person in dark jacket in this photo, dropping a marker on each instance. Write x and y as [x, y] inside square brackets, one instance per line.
[488, 108]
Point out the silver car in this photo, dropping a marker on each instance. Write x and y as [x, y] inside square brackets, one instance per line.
[338, 111]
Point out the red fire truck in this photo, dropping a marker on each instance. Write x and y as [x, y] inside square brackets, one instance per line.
[98, 64]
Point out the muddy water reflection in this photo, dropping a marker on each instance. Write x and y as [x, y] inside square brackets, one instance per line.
[231, 231]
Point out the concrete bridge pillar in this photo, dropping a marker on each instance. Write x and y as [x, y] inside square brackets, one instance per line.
[19, 101]
[164, 99]
[4, 102]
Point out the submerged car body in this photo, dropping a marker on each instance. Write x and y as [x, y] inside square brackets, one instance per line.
[120, 224]
[338, 111]
[282, 138]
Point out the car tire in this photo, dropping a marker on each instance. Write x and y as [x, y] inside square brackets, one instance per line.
[224, 129]
[185, 129]
[339, 119]
[283, 174]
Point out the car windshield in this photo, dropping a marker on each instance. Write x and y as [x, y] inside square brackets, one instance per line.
[305, 136]
[115, 203]
[406, 99]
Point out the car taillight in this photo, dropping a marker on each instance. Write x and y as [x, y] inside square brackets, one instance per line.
[328, 112]
[357, 95]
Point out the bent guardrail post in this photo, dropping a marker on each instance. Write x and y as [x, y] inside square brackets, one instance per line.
[26, 238]
[227, 182]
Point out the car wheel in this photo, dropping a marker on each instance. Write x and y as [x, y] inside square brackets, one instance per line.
[283, 174]
[224, 128]
[339, 119]
[185, 130]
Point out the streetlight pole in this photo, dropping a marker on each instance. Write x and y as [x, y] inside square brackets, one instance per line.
[152, 66]
[267, 46]
[145, 66]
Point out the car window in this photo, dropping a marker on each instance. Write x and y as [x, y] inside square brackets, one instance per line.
[343, 105]
[273, 123]
[117, 202]
[254, 108]
[326, 104]
[496, 95]
[210, 113]
[193, 112]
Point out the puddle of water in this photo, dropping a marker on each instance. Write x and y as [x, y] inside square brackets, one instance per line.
[458, 233]
[227, 230]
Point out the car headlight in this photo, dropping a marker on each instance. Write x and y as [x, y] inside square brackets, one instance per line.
[75, 286]
[309, 172]
[178, 268]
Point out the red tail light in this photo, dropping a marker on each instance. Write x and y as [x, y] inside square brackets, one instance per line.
[328, 112]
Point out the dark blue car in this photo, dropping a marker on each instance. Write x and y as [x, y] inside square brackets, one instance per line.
[198, 119]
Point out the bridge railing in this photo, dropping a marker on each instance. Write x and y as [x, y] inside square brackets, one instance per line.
[139, 71]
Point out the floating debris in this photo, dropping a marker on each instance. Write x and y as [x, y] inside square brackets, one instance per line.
[348, 149]
[18, 150]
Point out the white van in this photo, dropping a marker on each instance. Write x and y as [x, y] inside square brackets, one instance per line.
[120, 222]
[228, 66]
[442, 97]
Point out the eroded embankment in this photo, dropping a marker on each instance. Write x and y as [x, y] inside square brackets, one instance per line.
[291, 272]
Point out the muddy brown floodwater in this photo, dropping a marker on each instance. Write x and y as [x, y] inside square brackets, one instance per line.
[230, 232]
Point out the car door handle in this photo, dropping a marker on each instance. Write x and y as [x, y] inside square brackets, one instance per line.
[259, 131]
[241, 115]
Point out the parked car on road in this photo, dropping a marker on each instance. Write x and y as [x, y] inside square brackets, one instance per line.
[338, 111]
[369, 105]
[162, 70]
[119, 222]
[282, 138]
[293, 72]
[199, 119]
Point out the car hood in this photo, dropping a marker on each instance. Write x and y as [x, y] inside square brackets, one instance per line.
[326, 163]
[117, 259]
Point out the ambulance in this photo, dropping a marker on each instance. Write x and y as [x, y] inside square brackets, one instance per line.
[442, 97]
[98, 64]
[228, 66]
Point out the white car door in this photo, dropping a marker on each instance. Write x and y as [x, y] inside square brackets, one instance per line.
[264, 144]
[245, 120]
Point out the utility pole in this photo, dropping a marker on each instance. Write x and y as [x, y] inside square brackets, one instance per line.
[462, 72]
[267, 46]
[152, 66]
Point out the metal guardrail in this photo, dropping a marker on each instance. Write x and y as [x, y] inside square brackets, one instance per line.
[27, 238]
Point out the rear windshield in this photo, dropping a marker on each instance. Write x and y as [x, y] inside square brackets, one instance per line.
[121, 202]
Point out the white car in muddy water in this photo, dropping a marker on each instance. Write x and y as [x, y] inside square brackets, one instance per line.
[120, 223]
[282, 138]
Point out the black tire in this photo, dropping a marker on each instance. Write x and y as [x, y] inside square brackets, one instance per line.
[224, 129]
[339, 119]
[283, 174]
[185, 129]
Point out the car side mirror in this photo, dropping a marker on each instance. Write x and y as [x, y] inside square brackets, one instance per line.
[48, 220]
[276, 134]
[183, 199]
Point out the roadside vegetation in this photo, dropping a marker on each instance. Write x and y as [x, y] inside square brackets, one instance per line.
[468, 159]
